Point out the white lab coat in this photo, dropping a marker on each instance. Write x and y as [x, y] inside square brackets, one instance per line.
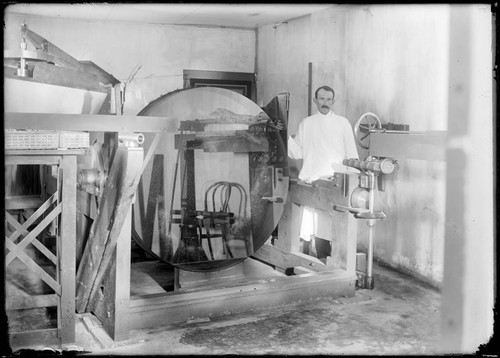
[322, 141]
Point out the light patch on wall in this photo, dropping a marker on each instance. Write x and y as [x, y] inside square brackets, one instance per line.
[401, 260]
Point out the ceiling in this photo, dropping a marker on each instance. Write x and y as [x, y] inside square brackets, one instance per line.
[249, 16]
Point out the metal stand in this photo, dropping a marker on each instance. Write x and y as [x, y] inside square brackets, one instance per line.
[364, 196]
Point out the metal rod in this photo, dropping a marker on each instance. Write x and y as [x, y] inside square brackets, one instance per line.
[371, 223]
[370, 248]
[396, 132]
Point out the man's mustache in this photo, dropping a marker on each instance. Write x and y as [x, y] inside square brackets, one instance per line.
[324, 106]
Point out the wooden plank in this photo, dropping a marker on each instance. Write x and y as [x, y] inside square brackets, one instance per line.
[45, 337]
[38, 301]
[89, 122]
[151, 151]
[116, 200]
[239, 144]
[61, 57]
[319, 197]
[35, 268]
[156, 193]
[154, 301]
[323, 195]
[20, 202]
[67, 248]
[284, 260]
[15, 250]
[32, 219]
[52, 156]
[111, 302]
[142, 283]
[289, 228]
[48, 254]
[61, 76]
[187, 280]
[299, 270]
[26, 157]
[102, 75]
[170, 308]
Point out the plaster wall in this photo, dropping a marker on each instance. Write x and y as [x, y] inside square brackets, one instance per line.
[159, 52]
[390, 60]
[282, 65]
[396, 66]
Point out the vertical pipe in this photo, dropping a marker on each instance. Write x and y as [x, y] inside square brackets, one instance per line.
[256, 68]
[371, 223]
[370, 248]
[309, 88]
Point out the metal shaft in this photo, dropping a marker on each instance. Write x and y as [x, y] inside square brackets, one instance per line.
[371, 223]
[370, 248]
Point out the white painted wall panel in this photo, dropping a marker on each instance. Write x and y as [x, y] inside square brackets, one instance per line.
[162, 51]
[393, 61]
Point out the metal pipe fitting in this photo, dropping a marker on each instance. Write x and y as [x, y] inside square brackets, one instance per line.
[131, 139]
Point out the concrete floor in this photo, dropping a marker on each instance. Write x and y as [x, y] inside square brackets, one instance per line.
[399, 316]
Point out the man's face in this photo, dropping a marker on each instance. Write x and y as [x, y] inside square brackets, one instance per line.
[324, 101]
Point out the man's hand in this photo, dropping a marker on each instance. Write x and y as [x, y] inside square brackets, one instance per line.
[279, 124]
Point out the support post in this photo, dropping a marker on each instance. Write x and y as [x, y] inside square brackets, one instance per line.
[67, 249]
[469, 249]
[111, 304]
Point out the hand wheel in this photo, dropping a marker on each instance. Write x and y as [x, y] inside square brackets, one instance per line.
[367, 122]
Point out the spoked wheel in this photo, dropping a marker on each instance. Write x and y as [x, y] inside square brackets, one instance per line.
[367, 122]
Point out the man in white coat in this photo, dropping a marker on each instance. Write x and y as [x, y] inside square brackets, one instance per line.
[322, 141]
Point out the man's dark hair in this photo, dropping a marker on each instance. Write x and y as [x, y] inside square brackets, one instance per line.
[325, 88]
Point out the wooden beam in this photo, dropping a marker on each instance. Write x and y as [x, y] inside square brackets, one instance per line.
[14, 251]
[242, 143]
[32, 265]
[289, 228]
[319, 197]
[21, 202]
[111, 302]
[116, 201]
[34, 157]
[156, 193]
[23, 231]
[323, 195]
[285, 260]
[39, 301]
[46, 337]
[159, 309]
[62, 76]
[60, 56]
[67, 249]
[33, 218]
[89, 122]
